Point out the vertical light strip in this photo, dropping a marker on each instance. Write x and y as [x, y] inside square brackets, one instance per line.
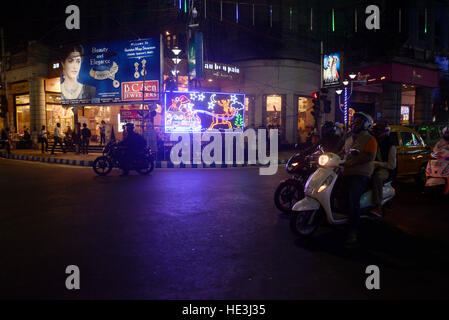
[221, 10]
[291, 14]
[205, 4]
[355, 20]
[180, 4]
[400, 22]
[254, 16]
[271, 16]
[333, 20]
[425, 20]
[311, 19]
[185, 6]
[237, 12]
[346, 108]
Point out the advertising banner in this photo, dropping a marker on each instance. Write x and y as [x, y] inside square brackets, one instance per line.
[331, 69]
[196, 56]
[112, 72]
[203, 111]
[133, 114]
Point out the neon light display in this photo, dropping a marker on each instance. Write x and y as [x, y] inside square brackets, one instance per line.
[203, 111]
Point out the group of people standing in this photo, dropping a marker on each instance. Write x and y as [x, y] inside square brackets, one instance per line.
[77, 140]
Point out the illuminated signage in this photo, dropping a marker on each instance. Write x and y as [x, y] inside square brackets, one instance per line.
[331, 69]
[112, 72]
[203, 111]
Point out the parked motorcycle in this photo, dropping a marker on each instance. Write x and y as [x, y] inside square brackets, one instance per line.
[437, 171]
[322, 200]
[301, 165]
[143, 163]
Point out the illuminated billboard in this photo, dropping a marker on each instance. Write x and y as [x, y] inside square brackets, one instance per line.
[111, 72]
[331, 69]
[203, 111]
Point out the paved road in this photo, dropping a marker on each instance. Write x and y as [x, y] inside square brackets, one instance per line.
[201, 234]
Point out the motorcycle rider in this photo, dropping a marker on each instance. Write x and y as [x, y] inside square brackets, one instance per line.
[358, 169]
[132, 145]
[444, 142]
[330, 138]
[385, 164]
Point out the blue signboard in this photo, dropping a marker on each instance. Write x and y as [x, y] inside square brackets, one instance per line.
[112, 72]
[203, 111]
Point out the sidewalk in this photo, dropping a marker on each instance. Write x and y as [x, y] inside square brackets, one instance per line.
[71, 158]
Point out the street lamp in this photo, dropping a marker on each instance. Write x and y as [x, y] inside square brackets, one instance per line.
[352, 76]
[176, 51]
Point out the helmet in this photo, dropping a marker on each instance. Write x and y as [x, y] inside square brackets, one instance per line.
[328, 128]
[368, 121]
[129, 125]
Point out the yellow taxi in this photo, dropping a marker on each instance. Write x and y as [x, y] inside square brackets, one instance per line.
[412, 152]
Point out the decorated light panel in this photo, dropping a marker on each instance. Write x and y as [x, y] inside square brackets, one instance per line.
[203, 111]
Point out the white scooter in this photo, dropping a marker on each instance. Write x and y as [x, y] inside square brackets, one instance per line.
[318, 201]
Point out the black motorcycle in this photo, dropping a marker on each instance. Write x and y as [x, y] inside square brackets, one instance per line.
[301, 165]
[112, 153]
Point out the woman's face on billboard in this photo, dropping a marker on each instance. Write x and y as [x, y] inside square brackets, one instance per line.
[72, 65]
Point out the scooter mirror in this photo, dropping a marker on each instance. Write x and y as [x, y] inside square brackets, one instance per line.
[296, 146]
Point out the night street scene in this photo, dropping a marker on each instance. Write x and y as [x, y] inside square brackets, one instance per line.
[229, 152]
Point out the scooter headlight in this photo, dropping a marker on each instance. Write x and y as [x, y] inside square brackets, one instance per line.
[323, 160]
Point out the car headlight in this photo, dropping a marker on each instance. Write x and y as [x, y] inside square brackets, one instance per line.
[323, 159]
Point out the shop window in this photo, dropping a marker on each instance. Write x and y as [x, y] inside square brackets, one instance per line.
[274, 111]
[59, 114]
[305, 119]
[405, 114]
[53, 98]
[23, 99]
[23, 118]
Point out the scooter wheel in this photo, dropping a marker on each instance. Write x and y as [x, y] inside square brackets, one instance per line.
[304, 223]
[287, 194]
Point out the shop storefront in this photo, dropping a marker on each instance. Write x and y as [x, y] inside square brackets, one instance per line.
[280, 92]
[399, 93]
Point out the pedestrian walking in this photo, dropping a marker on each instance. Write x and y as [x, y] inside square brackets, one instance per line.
[76, 138]
[102, 132]
[43, 139]
[4, 141]
[85, 137]
[57, 136]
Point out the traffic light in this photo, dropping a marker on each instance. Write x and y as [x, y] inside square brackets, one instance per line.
[316, 112]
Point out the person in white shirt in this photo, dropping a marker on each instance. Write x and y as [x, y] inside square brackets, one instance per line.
[57, 138]
[385, 164]
[43, 137]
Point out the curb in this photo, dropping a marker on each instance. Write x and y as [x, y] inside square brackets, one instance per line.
[158, 164]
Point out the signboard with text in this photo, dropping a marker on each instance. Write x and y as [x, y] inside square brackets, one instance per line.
[112, 72]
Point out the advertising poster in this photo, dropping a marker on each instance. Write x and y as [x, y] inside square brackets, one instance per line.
[331, 69]
[112, 72]
[203, 111]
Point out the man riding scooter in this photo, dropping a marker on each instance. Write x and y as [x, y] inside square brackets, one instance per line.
[385, 164]
[358, 169]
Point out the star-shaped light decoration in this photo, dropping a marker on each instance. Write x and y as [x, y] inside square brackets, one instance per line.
[212, 102]
[193, 96]
[201, 97]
